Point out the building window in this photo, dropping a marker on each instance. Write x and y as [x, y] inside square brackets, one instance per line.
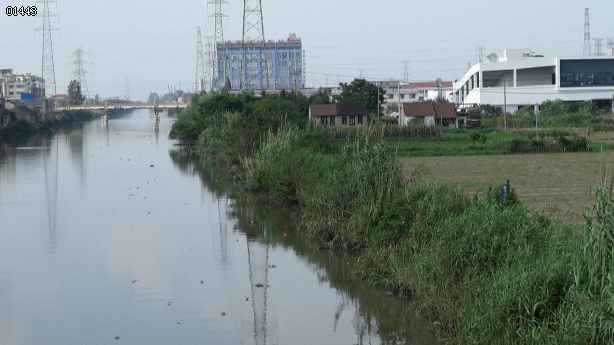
[344, 120]
[402, 96]
[390, 96]
[413, 95]
[323, 120]
[332, 120]
[352, 120]
[360, 119]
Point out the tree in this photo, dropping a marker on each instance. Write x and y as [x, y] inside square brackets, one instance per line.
[361, 90]
[74, 93]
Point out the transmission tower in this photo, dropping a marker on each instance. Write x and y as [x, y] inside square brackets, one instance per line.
[360, 73]
[79, 72]
[598, 42]
[587, 34]
[405, 71]
[199, 84]
[253, 34]
[209, 63]
[48, 70]
[127, 90]
[219, 40]
[610, 46]
[480, 50]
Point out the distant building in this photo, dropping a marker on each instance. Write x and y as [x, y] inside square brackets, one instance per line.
[339, 114]
[521, 78]
[414, 91]
[284, 61]
[13, 85]
[23, 95]
[442, 114]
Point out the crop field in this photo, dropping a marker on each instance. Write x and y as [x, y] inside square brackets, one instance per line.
[560, 185]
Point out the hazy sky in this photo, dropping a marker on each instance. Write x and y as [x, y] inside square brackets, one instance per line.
[153, 43]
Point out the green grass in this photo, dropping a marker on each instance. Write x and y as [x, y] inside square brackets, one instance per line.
[469, 143]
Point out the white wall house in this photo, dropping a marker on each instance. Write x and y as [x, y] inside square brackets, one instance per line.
[521, 78]
[400, 92]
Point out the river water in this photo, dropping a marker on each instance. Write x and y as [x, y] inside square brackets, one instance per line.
[109, 233]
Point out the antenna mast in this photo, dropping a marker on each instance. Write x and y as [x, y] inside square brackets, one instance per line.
[254, 57]
[48, 69]
[587, 34]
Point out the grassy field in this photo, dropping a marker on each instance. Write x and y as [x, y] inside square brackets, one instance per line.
[561, 185]
[463, 143]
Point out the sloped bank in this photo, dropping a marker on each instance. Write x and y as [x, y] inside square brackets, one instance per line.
[486, 271]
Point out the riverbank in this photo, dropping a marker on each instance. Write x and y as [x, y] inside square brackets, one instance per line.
[485, 268]
[23, 129]
[487, 271]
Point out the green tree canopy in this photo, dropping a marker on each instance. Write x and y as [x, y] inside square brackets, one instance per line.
[361, 90]
[74, 93]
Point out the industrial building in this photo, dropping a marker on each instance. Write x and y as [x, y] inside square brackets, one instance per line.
[282, 61]
[521, 78]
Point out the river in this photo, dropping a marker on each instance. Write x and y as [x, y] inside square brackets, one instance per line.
[110, 233]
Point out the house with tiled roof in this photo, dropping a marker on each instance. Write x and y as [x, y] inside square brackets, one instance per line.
[430, 114]
[339, 114]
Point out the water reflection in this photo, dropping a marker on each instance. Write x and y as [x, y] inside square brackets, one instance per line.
[374, 316]
[51, 166]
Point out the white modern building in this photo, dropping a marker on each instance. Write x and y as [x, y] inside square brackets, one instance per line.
[520, 78]
[401, 92]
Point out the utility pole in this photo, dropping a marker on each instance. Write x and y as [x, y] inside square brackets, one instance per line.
[587, 34]
[48, 69]
[505, 105]
[79, 72]
[401, 119]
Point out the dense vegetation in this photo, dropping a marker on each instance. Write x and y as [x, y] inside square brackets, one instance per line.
[22, 128]
[487, 270]
[553, 114]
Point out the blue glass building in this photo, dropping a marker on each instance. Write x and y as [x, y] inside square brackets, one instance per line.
[284, 59]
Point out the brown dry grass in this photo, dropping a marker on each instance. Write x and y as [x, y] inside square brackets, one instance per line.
[559, 185]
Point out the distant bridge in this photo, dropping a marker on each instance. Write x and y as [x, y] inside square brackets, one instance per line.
[130, 106]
